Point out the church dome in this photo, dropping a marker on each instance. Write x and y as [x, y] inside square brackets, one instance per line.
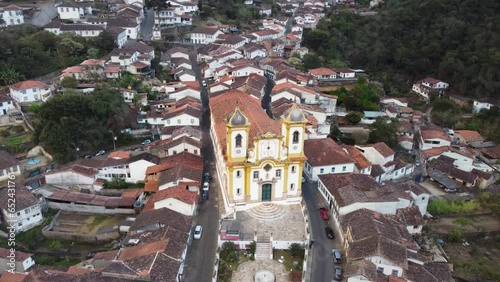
[237, 118]
[294, 114]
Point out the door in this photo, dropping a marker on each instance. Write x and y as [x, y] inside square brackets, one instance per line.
[266, 192]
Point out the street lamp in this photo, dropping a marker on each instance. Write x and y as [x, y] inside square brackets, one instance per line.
[114, 139]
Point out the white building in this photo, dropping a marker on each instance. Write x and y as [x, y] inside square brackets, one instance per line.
[6, 104]
[182, 144]
[245, 70]
[25, 214]
[8, 165]
[262, 35]
[72, 175]
[204, 35]
[175, 198]
[30, 91]
[23, 261]
[427, 85]
[432, 136]
[186, 115]
[11, 15]
[73, 11]
[132, 169]
[324, 156]
[484, 104]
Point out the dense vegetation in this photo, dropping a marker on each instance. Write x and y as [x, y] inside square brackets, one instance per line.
[65, 123]
[27, 52]
[362, 97]
[453, 40]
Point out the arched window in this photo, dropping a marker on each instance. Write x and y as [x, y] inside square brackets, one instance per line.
[295, 139]
[238, 141]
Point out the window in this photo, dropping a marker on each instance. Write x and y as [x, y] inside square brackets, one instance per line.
[396, 174]
[395, 272]
[255, 175]
[293, 169]
[237, 140]
[278, 173]
[423, 198]
[344, 168]
[18, 214]
[380, 269]
[295, 139]
[175, 152]
[415, 226]
[34, 90]
[185, 150]
[192, 120]
[238, 191]
[168, 121]
[20, 224]
[23, 91]
[333, 170]
[178, 121]
[292, 187]
[26, 211]
[196, 152]
[238, 173]
[321, 170]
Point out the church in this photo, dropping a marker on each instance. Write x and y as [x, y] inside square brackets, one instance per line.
[258, 159]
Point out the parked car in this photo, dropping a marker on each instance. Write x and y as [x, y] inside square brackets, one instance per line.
[324, 213]
[207, 177]
[417, 162]
[337, 256]
[204, 83]
[204, 196]
[303, 179]
[206, 186]
[197, 232]
[146, 142]
[329, 232]
[100, 153]
[88, 156]
[337, 275]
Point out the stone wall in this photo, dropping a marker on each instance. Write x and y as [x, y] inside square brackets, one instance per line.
[89, 209]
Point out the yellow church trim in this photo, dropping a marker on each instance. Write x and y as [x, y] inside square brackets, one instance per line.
[248, 170]
[230, 186]
[285, 179]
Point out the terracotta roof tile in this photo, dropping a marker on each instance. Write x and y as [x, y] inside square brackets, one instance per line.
[470, 135]
[434, 132]
[119, 155]
[322, 71]
[29, 84]
[20, 256]
[178, 192]
[382, 148]
[323, 152]
[24, 198]
[361, 161]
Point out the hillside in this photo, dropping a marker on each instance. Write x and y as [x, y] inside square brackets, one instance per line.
[454, 40]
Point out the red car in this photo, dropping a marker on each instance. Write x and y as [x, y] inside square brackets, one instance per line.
[324, 213]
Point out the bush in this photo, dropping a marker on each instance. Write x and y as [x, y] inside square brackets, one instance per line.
[455, 235]
[443, 207]
[296, 250]
[55, 245]
[5, 133]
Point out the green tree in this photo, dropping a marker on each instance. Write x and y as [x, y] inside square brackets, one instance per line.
[245, 14]
[55, 244]
[93, 53]
[311, 61]
[34, 108]
[69, 82]
[354, 117]
[296, 250]
[384, 131]
[8, 75]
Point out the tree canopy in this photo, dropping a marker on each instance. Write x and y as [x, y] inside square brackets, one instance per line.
[70, 124]
[27, 52]
[455, 41]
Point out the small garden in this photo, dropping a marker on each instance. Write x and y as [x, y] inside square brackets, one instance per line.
[292, 259]
[230, 257]
[444, 207]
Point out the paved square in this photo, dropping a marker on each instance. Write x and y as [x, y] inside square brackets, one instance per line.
[247, 270]
[286, 222]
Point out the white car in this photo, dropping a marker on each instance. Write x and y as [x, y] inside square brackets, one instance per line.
[197, 232]
[204, 83]
[206, 186]
[100, 153]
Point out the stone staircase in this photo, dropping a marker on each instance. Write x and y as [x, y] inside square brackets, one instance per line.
[268, 211]
[263, 250]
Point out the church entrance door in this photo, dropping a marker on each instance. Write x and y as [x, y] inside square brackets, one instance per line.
[266, 192]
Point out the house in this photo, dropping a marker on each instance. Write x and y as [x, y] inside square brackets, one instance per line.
[176, 198]
[171, 131]
[11, 15]
[265, 9]
[323, 74]
[187, 115]
[385, 166]
[27, 212]
[204, 35]
[22, 261]
[6, 105]
[72, 175]
[324, 156]
[135, 58]
[463, 157]
[174, 53]
[130, 25]
[30, 91]
[430, 85]
[245, 70]
[179, 145]
[183, 74]
[348, 192]
[293, 92]
[188, 90]
[8, 276]
[490, 155]
[468, 136]
[181, 63]
[9, 165]
[183, 169]
[120, 34]
[370, 117]
[266, 34]
[484, 104]
[400, 102]
[484, 179]
[362, 164]
[73, 11]
[345, 73]
[445, 166]
[432, 136]
[411, 218]
[252, 50]
[132, 169]
[231, 41]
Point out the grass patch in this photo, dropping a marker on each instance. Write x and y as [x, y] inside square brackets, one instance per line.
[463, 221]
[289, 260]
[56, 261]
[443, 207]
[31, 237]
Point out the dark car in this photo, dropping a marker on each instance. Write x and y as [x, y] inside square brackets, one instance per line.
[207, 177]
[338, 273]
[324, 213]
[205, 195]
[329, 232]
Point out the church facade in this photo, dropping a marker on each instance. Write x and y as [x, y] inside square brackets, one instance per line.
[258, 159]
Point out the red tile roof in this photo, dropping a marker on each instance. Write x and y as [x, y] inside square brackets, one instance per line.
[139, 64]
[361, 161]
[92, 62]
[29, 84]
[223, 105]
[288, 85]
[20, 256]
[434, 132]
[178, 192]
[119, 155]
[470, 135]
[322, 71]
[323, 152]
[75, 168]
[382, 148]
[12, 277]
